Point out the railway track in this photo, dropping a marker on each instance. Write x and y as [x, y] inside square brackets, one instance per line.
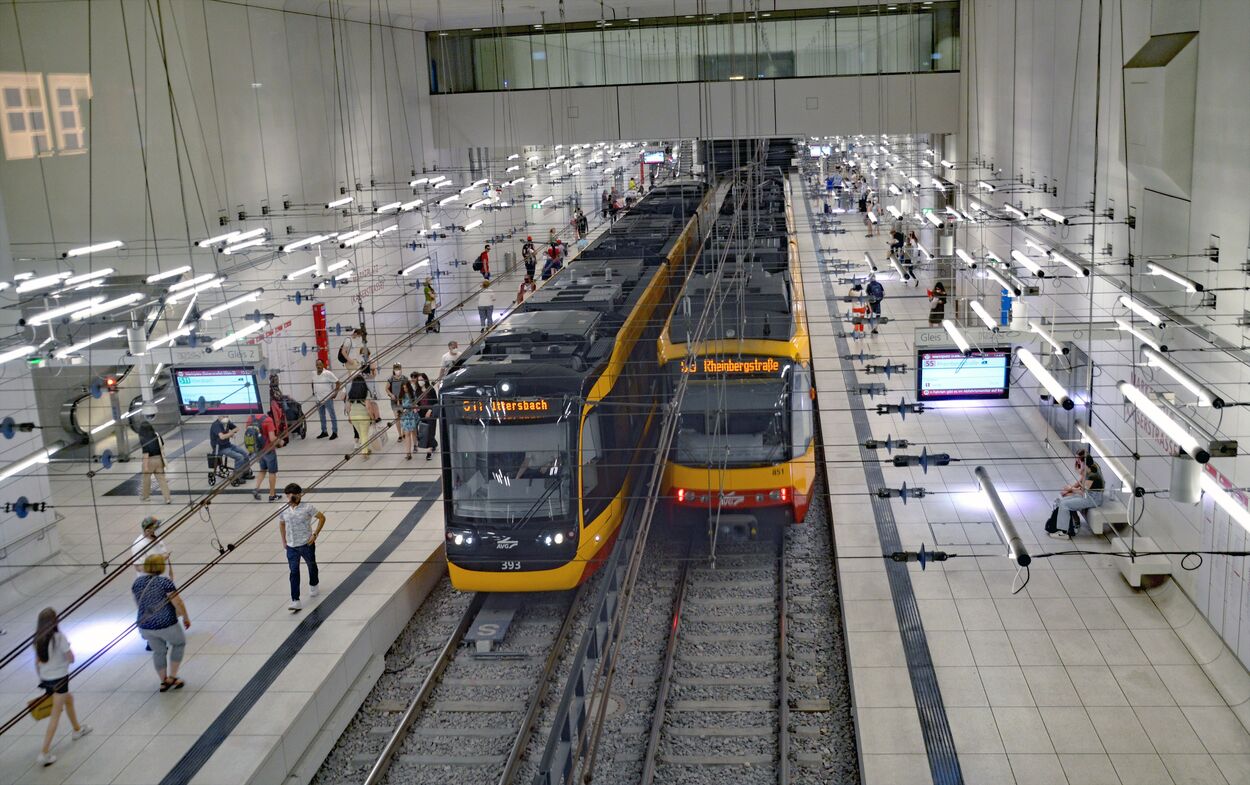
[451, 713]
[722, 705]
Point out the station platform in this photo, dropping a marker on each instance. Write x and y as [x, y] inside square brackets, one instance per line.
[1076, 678]
[268, 691]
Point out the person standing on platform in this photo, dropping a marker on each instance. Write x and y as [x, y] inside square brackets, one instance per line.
[260, 438]
[486, 306]
[482, 264]
[407, 417]
[529, 257]
[427, 407]
[325, 387]
[299, 540]
[149, 526]
[876, 293]
[357, 411]
[159, 609]
[937, 311]
[394, 386]
[153, 447]
[53, 656]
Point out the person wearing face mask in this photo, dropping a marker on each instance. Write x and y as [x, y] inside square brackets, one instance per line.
[427, 405]
[219, 435]
[299, 524]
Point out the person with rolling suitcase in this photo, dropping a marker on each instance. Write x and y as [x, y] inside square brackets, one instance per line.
[427, 404]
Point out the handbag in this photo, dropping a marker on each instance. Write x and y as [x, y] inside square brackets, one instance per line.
[40, 708]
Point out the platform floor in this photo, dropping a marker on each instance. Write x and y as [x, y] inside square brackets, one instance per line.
[1078, 678]
[262, 682]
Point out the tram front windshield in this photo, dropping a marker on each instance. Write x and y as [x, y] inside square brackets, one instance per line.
[734, 423]
[508, 473]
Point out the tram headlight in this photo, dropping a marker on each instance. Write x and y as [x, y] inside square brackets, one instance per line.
[461, 538]
[551, 539]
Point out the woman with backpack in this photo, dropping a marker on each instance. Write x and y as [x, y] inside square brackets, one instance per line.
[53, 656]
[357, 411]
[427, 404]
[153, 447]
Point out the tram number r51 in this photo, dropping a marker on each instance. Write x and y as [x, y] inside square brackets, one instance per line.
[510, 565]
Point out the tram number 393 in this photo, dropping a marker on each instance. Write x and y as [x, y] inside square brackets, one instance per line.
[510, 565]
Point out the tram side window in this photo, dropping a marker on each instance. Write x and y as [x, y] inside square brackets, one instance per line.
[595, 485]
[802, 427]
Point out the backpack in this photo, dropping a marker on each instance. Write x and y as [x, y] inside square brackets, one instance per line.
[254, 435]
[358, 390]
[477, 265]
[876, 291]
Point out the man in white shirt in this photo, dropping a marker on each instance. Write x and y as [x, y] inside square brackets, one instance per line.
[325, 387]
[299, 539]
[149, 526]
[449, 359]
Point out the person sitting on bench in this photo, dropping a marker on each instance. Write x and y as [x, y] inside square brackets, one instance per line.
[1084, 494]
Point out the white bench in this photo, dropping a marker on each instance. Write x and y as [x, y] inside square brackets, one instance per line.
[1134, 569]
[1111, 514]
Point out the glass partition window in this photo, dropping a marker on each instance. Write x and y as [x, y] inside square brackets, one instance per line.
[843, 41]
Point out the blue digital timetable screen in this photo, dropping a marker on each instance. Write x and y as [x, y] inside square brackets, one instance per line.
[947, 375]
[217, 390]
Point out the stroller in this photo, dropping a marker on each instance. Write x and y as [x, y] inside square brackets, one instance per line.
[292, 415]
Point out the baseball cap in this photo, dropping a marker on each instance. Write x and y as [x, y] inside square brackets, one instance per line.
[150, 522]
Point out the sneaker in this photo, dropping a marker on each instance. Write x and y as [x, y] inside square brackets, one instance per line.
[273, 498]
[324, 435]
[313, 591]
[1059, 535]
[83, 731]
[334, 436]
[295, 605]
[45, 759]
[256, 495]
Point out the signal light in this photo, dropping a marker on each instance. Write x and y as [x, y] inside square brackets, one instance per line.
[682, 495]
[111, 383]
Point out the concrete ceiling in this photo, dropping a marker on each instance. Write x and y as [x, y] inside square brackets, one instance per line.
[456, 14]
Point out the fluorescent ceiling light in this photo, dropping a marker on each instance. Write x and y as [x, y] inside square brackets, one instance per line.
[514, 156]
[479, 203]
[936, 183]
[511, 169]
[480, 183]
[1054, 216]
[473, 225]
[966, 257]
[417, 266]
[1016, 549]
[1002, 281]
[466, 189]
[239, 335]
[1188, 284]
[61, 354]
[43, 456]
[64, 310]
[87, 249]
[307, 241]
[1048, 337]
[983, 315]
[1141, 310]
[1071, 265]
[1014, 212]
[1221, 497]
[418, 181]
[185, 293]
[947, 164]
[252, 243]
[957, 336]
[933, 218]
[449, 200]
[443, 184]
[199, 279]
[894, 211]
[228, 304]
[221, 238]
[43, 282]
[170, 337]
[77, 279]
[437, 179]
[339, 265]
[1118, 469]
[389, 229]
[1028, 264]
[898, 269]
[872, 265]
[984, 186]
[346, 200]
[106, 306]
[1029, 242]
[13, 354]
[301, 271]
[915, 183]
[1206, 396]
[414, 204]
[387, 208]
[358, 239]
[1139, 335]
[894, 189]
[1057, 392]
[174, 273]
[1174, 430]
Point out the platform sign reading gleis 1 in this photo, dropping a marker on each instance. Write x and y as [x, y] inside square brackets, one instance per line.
[948, 375]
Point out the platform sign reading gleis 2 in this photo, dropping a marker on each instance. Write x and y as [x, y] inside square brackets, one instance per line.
[948, 375]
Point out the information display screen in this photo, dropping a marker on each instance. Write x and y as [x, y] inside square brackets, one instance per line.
[218, 390]
[653, 157]
[947, 375]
